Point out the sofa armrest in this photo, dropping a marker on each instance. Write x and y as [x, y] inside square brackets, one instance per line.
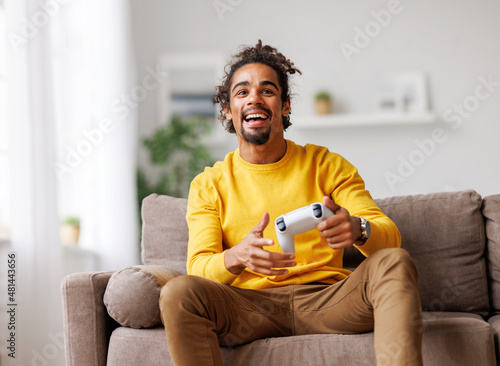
[87, 325]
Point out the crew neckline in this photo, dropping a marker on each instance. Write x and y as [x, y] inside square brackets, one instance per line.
[290, 151]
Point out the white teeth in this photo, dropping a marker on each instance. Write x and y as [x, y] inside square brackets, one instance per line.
[256, 115]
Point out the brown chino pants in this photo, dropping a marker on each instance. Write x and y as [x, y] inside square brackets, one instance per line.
[381, 295]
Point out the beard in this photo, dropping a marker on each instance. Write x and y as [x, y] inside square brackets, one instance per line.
[258, 138]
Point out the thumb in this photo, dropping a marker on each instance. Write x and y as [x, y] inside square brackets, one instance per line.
[328, 202]
[259, 228]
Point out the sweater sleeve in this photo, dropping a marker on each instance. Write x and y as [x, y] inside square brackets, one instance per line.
[205, 248]
[349, 192]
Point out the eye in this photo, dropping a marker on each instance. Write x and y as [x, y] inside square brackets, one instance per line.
[241, 92]
[267, 91]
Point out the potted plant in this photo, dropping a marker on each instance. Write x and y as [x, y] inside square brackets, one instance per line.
[323, 102]
[69, 232]
[177, 154]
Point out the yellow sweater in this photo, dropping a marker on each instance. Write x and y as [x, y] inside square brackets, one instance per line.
[227, 200]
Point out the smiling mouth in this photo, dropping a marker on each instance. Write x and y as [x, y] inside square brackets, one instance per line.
[255, 117]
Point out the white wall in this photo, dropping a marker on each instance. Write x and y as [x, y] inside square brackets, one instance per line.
[453, 42]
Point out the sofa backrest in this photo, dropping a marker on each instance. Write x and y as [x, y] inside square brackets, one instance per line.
[491, 213]
[164, 231]
[443, 232]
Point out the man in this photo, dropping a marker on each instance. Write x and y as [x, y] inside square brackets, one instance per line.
[237, 273]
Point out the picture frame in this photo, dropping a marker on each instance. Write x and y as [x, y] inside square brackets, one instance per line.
[411, 93]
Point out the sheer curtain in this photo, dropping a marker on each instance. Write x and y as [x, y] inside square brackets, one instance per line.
[94, 68]
[70, 150]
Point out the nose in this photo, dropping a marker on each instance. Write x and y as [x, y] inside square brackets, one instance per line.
[254, 97]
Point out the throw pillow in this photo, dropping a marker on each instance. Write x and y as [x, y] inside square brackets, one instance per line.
[132, 295]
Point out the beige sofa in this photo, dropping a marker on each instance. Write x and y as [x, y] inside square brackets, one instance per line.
[454, 239]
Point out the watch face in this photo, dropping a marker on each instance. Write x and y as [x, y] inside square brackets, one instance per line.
[365, 228]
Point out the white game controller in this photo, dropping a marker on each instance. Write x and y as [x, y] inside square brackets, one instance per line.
[299, 221]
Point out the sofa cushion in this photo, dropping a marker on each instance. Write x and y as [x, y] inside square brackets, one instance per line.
[491, 213]
[494, 323]
[444, 234]
[132, 295]
[145, 347]
[164, 231]
[448, 339]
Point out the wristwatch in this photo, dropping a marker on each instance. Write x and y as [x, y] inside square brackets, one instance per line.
[365, 231]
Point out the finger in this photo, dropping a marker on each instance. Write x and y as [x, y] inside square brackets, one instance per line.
[331, 229]
[281, 260]
[270, 267]
[341, 238]
[341, 245]
[262, 242]
[340, 218]
[278, 256]
[263, 263]
[265, 259]
[328, 202]
[259, 228]
[272, 257]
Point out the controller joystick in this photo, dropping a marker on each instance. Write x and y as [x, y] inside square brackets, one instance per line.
[297, 222]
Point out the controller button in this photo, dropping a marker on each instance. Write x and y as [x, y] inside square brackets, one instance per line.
[317, 212]
[280, 222]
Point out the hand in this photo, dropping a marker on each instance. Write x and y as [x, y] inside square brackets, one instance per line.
[340, 230]
[250, 254]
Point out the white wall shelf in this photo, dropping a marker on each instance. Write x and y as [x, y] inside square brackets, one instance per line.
[310, 122]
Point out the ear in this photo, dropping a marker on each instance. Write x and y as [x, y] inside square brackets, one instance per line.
[285, 110]
[229, 115]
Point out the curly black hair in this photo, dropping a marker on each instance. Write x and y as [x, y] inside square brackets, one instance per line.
[266, 55]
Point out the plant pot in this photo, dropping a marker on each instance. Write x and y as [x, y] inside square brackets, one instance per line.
[323, 106]
[69, 234]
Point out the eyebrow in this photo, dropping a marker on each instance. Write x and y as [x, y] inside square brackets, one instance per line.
[264, 82]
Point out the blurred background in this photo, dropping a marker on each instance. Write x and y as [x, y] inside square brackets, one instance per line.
[103, 103]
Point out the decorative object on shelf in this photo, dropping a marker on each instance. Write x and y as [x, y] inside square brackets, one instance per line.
[69, 232]
[323, 103]
[411, 90]
[387, 103]
[403, 101]
[177, 155]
